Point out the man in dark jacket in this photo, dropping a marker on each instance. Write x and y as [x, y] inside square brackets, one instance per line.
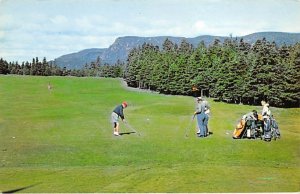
[116, 114]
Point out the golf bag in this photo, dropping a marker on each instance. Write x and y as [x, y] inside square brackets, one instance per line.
[267, 129]
[245, 129]
[275, 129]
[248, 128]
[271, 129]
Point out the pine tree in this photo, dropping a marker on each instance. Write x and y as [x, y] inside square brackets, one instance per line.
[227, 75]
[3, 66]
[291, 78]
[132, 68]
[214, 64]
[199, 65]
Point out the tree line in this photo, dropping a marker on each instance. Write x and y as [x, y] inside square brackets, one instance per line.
[232, 71]
[44, 68]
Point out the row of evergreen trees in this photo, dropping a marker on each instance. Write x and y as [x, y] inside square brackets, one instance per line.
[44, 68]
[232, 71]
[36, 67]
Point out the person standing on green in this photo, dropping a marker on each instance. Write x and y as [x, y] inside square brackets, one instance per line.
[202, 117]
[115, 115]
[266, 113]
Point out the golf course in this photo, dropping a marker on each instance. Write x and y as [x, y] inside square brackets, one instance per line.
[60, 140]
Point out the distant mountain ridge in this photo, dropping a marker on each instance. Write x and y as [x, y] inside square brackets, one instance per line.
[120, 49]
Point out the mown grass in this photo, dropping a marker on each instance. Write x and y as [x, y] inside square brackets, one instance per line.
[61, 141]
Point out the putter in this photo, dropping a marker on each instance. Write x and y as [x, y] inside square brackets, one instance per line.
[131, 128]
[187, 130]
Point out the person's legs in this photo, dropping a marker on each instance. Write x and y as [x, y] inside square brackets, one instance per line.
[200, 119]
[116, 129]
[205, 123]
[114, 119]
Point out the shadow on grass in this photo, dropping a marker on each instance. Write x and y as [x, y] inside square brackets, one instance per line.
[20, 189]
[127, 133]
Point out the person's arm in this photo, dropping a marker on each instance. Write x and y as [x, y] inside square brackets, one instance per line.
[122, 114]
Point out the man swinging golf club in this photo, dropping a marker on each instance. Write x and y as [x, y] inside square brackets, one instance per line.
[118, 112]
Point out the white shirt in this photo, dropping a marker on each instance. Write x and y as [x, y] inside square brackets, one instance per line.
[266, 111]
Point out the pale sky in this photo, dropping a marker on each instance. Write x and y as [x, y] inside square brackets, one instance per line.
[51, 28]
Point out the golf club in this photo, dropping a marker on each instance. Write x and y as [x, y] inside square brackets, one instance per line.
[131, 128]
[187, 130]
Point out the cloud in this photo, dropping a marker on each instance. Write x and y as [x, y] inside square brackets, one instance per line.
[53, 28]
[7, 22]
[199, 25]
[59, 20]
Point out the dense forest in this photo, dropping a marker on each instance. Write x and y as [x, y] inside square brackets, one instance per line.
[233, 71]
[44, 68]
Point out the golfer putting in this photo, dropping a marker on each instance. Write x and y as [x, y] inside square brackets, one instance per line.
[115, 115]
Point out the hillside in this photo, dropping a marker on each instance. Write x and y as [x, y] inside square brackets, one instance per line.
[121, 47]
[79, 59]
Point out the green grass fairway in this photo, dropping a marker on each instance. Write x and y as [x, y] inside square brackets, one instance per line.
[61, 141]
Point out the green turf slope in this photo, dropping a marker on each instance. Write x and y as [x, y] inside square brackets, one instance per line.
[61, 141]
